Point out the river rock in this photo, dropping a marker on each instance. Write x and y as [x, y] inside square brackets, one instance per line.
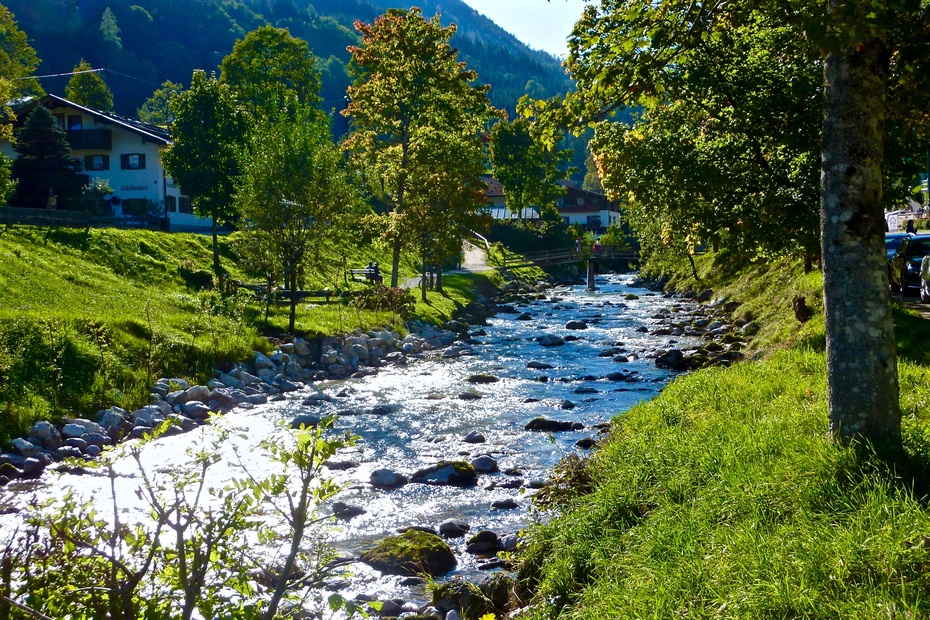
[306, 420]
[341, 510]
[535, 365]
[505, 504]
[566, 404]
[586, 443]
[576, 324]
[196, 410]
[25, 448]
[550, 340]
[673, 359]
[524, 316]
[387, 478]
[453, 528]
[301, 346]
[340, 465]
[262, 361]
[139, 432]
[451, 473]
[475, 437]
[76, 442]
[72, 430]
[549, 426]
[46, 435]
[484, 542]
[93, 450]
[469, 396]
[411, 553]
[484, 464]
[480, 378]
[114, 419]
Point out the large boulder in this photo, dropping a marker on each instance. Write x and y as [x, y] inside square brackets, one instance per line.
[447, 473]
[46, 434]
[414, 552]
[549, 426]
[576, 324]
[550, 340]
[673, 360]
[387, 478]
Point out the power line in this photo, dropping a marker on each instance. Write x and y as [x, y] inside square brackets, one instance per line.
[51, 75]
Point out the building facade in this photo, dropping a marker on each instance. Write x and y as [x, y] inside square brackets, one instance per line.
[124, 152]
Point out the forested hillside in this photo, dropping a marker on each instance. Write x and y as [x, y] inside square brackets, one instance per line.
[145, 42]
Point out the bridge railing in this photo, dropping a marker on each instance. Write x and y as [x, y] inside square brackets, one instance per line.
[562, 256]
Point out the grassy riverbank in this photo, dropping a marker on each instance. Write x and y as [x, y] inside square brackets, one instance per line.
[91, 318]
[724, 498]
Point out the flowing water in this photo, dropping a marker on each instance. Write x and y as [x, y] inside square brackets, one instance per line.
[428, 422]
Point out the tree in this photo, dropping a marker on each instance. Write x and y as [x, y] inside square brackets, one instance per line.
[293, 190]
[88, 89]
[527, 168]
[17, 59]
[156, 109]
[407, 77]
[447, 168]
[209, 128]
[109, 29]
[621, 53]
[44, 167]
[269, 68]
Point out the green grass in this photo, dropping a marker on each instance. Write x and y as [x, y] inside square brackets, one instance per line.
[90, 318]
[724, 497]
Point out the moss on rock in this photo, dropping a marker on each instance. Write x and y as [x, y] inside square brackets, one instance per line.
[412, 553]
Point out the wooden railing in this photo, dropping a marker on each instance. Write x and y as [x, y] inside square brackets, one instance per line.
[76, 219]
[562, 256]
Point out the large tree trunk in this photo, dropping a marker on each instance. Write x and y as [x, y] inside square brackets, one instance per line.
[395, 262]
[862, 372]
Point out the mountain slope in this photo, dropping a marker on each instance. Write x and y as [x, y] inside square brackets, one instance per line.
[158, 40]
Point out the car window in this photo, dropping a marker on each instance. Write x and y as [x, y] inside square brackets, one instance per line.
[918, 246]
[892, 243]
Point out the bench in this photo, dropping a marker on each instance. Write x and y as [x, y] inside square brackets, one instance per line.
[261, 291]
[367, 274]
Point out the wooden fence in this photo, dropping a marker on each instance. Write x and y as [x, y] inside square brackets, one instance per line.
[77, 219]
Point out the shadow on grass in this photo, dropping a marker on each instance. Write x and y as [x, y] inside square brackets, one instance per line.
[913, 335]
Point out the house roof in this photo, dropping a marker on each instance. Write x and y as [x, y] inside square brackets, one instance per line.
[154, 133]
[495, 188]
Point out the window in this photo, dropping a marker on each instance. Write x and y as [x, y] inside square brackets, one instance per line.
[132, 161]
[135, 206]
[60, 119]
[97, 162]
[579, 201]
[74, 122]
[560, 202]
[184, 205]
[594, 221]
[171, 204]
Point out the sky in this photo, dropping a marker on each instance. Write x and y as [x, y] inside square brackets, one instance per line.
[540, 24]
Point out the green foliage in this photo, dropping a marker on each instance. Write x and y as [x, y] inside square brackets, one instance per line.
[527, 169]
[83, 559]
[88, 89]
[109, 29]
[293, 192]
[208, 132]
[156, 109]
[45, 166]
[409, 90]
[18, 60]
[270, 69]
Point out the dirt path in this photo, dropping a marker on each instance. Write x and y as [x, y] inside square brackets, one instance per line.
[474, 259]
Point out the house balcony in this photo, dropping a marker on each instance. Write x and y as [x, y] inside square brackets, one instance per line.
[91, 139]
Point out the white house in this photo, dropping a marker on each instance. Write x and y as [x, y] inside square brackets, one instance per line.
[591, 210]
[124, 152]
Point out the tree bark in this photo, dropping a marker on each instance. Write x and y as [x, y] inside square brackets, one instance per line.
[862, 373]
[292, 284]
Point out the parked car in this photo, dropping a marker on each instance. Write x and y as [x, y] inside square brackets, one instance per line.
[905, 264]
[892, 241]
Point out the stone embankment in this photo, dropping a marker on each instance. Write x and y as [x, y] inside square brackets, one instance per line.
[266, 377]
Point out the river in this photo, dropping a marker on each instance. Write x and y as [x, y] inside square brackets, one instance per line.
[427, 421]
